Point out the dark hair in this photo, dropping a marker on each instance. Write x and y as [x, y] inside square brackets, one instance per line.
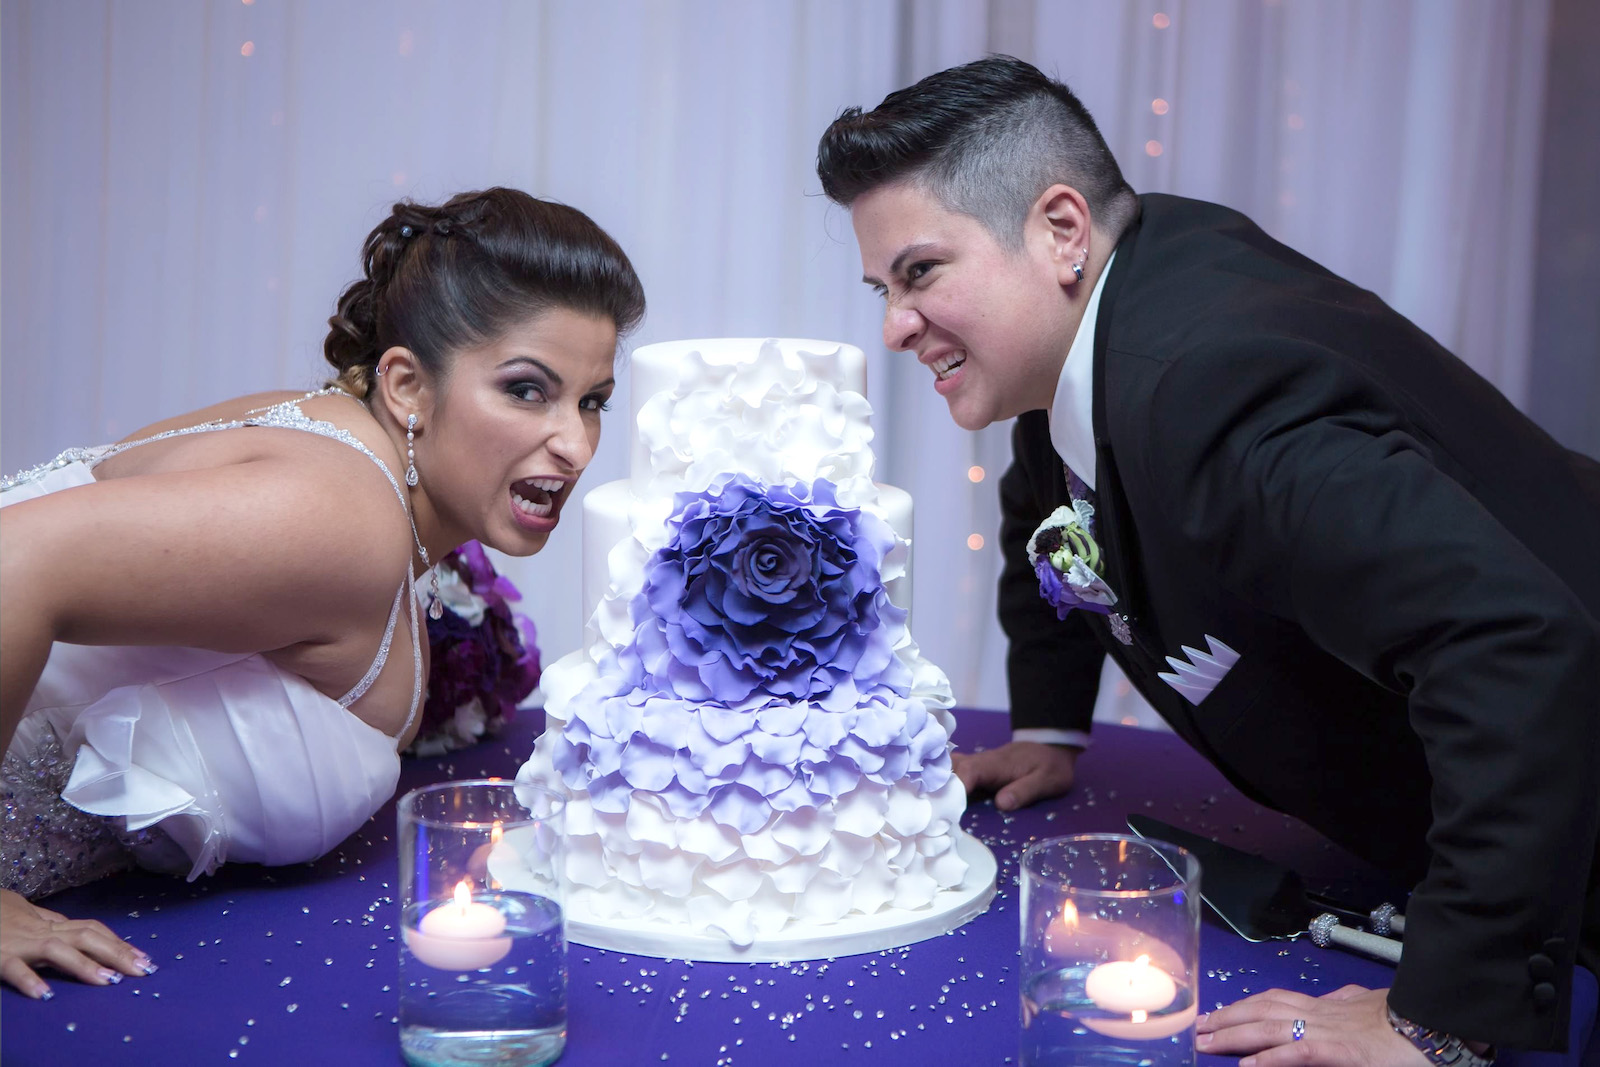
[985, 139]
[446, 277]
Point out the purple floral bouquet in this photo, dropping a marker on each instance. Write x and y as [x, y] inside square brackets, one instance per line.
[485, 657]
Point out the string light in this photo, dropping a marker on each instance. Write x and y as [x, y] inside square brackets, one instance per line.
[1159, 106]
[248, 48]
[974, 473]
[1160, 21]
[1152, 148]
[975, 541]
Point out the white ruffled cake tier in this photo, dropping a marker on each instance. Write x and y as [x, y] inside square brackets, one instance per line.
[882, 865]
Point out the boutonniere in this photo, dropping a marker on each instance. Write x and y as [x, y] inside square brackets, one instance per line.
[1068, 562]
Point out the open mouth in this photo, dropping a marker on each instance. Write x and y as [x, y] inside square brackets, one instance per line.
[536, 496]
[945, 366]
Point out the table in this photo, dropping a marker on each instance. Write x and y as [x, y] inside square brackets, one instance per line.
[298, 965]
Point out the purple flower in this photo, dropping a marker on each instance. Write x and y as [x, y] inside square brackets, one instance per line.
[767, 591]
[484, 663]
[1059, 594]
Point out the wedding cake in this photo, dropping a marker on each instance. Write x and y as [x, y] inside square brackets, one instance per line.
[756, 756]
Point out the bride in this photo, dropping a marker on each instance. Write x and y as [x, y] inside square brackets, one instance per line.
[209, 645]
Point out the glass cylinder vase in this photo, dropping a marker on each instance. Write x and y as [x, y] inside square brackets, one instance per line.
[483, 949]
[1110, 952]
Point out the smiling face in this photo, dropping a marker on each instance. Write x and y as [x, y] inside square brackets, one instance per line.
[512, 425]
[992, 324]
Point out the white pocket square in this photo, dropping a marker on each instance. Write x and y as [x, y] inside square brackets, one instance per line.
[1197, 676]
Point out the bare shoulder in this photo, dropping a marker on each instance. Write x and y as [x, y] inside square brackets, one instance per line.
[267, 511]
[318, 464]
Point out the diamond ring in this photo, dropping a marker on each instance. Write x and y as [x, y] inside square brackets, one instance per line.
[1297, 1030]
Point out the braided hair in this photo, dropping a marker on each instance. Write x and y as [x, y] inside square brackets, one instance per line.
[440, 278]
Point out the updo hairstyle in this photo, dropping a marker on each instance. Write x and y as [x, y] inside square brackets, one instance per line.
[442, 278]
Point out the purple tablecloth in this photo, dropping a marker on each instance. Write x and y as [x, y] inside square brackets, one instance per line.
[298, 965]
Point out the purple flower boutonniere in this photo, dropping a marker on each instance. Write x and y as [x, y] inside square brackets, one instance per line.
[1067, 560]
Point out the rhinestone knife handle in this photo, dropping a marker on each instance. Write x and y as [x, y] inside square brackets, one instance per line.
[1387, 921]
[1325, 930]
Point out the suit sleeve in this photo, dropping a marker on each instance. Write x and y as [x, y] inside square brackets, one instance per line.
[1052, 667]
[1297, 478]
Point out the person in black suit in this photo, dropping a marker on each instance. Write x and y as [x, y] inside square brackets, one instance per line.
[1337, 561]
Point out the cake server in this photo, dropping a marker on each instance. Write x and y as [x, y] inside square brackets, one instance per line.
[1262, 901]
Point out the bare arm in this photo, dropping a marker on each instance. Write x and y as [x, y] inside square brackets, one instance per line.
[292, 549]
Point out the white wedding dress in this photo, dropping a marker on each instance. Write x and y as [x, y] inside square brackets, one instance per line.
[178, 759]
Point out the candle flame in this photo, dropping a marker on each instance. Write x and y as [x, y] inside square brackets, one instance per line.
[464, 893]
[494, 833]
[1143, 961]
[1069, 915]
[1139, 1016]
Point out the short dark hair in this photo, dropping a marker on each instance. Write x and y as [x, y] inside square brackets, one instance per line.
[985, 139]
[440, 278]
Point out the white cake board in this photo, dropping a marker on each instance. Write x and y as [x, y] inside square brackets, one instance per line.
[890, 928]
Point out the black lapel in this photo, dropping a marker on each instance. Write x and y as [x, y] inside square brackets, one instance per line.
[1116, 533]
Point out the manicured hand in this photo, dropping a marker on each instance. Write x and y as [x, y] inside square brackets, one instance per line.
[83, 948]
[1346, 1028]
[1019, 773]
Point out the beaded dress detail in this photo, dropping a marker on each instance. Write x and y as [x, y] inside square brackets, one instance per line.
[177, 759]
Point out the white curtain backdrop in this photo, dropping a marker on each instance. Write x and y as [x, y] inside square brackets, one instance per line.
[184, 187]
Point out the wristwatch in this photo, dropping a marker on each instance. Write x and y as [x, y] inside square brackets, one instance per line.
[1441, 1048]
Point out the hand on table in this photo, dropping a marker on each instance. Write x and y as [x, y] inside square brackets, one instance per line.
[86, 949]
[1018, 773]
[1346, 1028]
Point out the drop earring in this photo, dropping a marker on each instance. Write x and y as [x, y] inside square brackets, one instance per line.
[411, 455]
[436, 606]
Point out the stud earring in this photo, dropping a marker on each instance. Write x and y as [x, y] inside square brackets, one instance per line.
[1077, 268]
[411, 455]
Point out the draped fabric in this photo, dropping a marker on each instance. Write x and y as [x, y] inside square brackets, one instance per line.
[186, 186]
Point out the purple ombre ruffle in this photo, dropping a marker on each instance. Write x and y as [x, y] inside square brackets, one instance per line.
[742, 765]
[762, 676]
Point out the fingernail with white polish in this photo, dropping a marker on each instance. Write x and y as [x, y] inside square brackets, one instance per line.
[148, 967]
[48, 994]
[109, 975]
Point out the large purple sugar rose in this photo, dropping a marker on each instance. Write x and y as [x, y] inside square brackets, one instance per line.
[768, 590]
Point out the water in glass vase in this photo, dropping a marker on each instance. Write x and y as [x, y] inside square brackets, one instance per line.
[471, 996]
[1062, 1026]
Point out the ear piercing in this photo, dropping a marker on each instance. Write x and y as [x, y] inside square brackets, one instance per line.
[1077, 268]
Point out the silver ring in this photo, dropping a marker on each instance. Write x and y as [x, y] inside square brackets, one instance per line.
[1297, 1031]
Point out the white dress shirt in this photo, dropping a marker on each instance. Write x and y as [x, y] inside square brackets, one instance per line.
[1072, 434]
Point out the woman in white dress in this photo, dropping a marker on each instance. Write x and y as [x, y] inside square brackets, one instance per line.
[209, 645]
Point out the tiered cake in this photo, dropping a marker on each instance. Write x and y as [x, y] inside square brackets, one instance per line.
[755, 753]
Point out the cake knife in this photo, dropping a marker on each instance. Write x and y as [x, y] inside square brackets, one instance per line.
[1260, 900]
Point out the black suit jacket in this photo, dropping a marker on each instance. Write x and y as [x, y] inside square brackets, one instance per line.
[1406, 565]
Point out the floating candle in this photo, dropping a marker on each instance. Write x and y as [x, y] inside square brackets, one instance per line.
[460, 935]
[1130, 986]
